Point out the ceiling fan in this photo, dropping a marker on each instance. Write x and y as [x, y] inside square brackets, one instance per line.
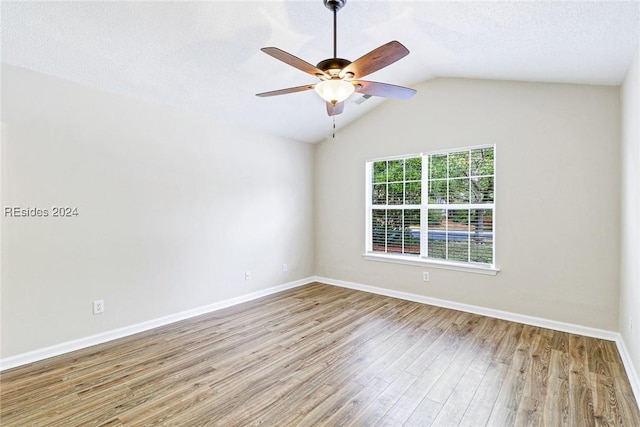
[339, 77]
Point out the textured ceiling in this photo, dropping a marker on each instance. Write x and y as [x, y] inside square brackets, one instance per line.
[205, 56]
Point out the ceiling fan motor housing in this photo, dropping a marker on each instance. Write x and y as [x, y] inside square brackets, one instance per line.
[333, 65]
[334, 5]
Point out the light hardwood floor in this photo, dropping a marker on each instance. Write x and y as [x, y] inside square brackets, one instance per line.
[326, 356]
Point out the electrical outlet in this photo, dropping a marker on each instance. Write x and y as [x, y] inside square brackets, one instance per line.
[425, 276]
[98, 306]
[247, 275]
[285, 268]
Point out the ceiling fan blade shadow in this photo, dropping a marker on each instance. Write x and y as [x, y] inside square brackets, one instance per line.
[384, 90]
[285, 91]
[335, 109]
[294, 61]
[378, 58]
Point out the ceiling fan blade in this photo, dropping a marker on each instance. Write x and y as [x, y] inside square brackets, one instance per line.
[384, 90]
[378, 58]
[285, 91]
[335, 109]
[294, 61]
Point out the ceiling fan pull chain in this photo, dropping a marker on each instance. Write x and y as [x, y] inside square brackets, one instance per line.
[334, 127]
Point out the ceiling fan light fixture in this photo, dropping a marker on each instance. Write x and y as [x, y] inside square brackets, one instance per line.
[334, 90]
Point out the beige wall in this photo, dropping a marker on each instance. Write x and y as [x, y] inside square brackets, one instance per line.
[630, 266]
[173, 209]
[557, 195]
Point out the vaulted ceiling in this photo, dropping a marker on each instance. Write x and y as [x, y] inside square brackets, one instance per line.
[204, 56]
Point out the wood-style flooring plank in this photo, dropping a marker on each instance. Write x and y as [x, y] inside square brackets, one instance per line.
[320, 355]
[376, 409]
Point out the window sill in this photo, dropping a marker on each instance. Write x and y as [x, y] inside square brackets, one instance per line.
[399, 259]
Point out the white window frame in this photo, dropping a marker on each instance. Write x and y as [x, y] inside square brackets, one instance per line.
[421, 259]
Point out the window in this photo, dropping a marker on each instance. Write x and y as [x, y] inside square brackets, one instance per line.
[435, 207]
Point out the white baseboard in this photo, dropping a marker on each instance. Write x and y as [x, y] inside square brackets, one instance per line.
[629, 367]
[498, 314]
[69, 346]
[632, 374]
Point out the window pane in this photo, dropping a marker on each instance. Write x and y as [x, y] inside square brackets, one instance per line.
[437, 219]
[396, 170]
[380, 171]
[438, 191]
[458, 220]
[459, 248]
[437, 233]
[412, 231]
[438, 166]
[413, 169]
[458, 235]
[459, 190]
[482, 161]
[482, 220]
[394, 230]
[396, 193]
[481, 236]
[459, 164]
[412, 193]
[482, 190]
[378, 229]
[379, 194]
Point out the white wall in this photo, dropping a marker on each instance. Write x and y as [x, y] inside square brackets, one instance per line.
[557, 218]
[630, 260]
[173, 208]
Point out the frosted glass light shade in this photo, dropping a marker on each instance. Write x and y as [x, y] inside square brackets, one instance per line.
[334, 90]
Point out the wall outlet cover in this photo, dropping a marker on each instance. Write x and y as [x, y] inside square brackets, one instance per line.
[98, 306]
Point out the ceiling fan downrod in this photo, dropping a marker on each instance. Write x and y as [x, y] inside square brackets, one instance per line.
[332, 66]
[335, 6]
